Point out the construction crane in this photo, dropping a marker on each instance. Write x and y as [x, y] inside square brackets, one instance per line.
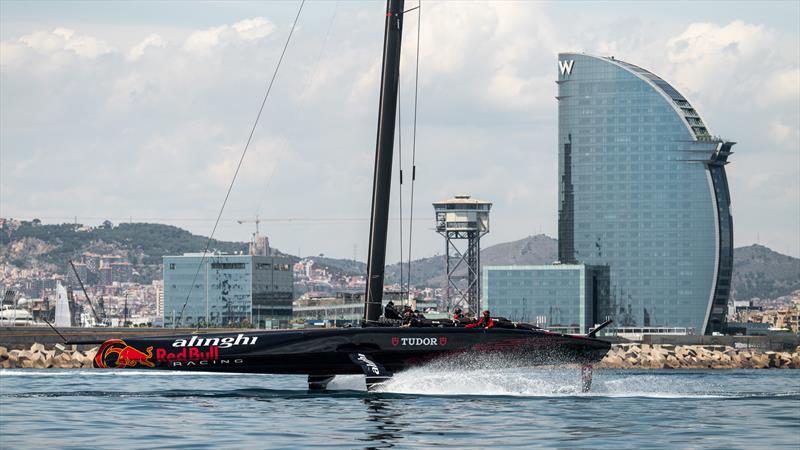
[257, 220]
[258, 245]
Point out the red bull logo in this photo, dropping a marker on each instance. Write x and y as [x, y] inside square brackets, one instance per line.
[116, 354]
[188, 354]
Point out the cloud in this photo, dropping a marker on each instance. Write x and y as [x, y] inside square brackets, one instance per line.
[246, 30]
[158, 127]
[137, 51]
[738, 60]
[205, 40]
[64, 39]
[252, 29]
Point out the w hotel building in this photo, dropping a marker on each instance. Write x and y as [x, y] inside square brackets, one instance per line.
[643, 191]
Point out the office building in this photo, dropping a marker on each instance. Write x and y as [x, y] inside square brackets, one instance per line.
[643, 191]
[227, 290]
[559, 297]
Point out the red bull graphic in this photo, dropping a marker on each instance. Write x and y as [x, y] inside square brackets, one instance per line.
[116, 354]
[187, 354]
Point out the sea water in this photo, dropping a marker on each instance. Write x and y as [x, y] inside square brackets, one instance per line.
[421, 408]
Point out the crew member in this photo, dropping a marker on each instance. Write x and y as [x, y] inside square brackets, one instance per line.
[485, 321]
[457, 314]
[408, 315]
[390, 313]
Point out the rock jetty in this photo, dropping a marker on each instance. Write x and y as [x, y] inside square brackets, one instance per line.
[621, 356]
[37, 357]
[643, 356]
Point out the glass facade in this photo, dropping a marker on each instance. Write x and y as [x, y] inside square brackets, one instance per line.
[229, 290]
[643, 191]
[563, 297]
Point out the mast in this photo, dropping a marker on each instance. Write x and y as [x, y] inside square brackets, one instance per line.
[379, 219]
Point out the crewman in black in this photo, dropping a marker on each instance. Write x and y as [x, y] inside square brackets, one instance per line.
[390, 313]
[408, 315]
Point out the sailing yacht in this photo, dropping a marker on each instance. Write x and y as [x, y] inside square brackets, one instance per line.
[379, 347]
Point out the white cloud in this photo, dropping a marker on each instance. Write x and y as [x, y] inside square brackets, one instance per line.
[245, 30]
[252, 29]
[159, 127]
[783, 86]
[721, 61]
[137, 51]
[205, 40]
[64, 39]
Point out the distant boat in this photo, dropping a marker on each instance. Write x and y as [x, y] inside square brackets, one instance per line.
[11, 316]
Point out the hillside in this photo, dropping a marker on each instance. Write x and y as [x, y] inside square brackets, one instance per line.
[763, 273]
[758, 271]
[50, 247]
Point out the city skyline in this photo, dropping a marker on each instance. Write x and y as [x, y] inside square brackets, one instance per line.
[140, 111]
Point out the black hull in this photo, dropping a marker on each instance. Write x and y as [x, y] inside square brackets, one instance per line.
[329, 351]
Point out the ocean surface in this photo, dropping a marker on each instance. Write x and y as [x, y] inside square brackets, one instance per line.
[420, 408]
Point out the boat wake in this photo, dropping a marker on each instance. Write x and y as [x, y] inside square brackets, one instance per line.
[498, 377]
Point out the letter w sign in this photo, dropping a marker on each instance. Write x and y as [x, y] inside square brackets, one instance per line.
[566, 67]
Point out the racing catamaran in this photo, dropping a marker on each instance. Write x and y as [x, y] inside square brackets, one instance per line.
[379, 347]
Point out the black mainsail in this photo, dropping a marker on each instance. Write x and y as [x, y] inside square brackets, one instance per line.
[382, 180]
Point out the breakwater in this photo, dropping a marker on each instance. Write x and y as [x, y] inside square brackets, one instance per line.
[39, 357]
[621, 356]
[645, 356]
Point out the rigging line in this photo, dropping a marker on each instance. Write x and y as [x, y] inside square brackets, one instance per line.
[413, 150]
[241, 159]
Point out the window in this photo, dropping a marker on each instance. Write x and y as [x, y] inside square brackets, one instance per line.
[227, 266]
[171, 266]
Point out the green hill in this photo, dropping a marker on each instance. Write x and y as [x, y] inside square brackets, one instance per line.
[763, 273]
[50, 247]
[758, 271]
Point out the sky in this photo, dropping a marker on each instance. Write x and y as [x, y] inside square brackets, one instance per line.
[139, 111]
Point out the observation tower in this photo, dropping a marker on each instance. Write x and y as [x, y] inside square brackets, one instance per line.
[462, 220]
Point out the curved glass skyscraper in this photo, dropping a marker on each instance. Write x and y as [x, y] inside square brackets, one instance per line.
[643, 190]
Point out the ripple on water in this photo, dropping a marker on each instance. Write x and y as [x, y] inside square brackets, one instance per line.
[423, 408]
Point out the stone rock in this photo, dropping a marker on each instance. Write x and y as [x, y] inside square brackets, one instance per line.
[672, 362]
[37, 348]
